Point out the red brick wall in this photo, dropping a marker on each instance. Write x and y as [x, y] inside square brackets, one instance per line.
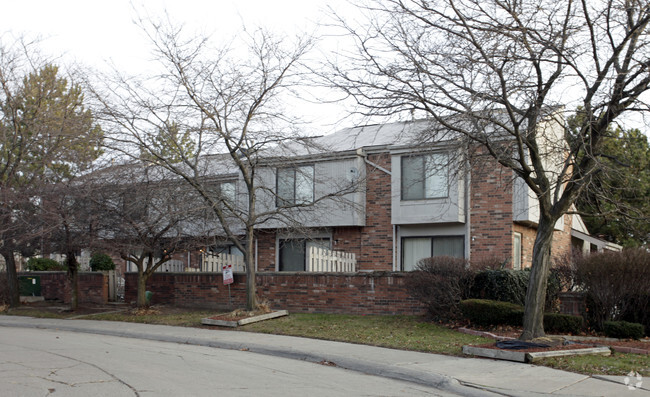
[373, 293]
[561, 241]
[491, 211]
[376, 237]
[266, 251]
[528, 235]
[93, 286]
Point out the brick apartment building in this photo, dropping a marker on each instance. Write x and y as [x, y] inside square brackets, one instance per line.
[407, 200]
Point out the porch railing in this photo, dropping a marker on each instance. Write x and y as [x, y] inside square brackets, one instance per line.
[215, 263]
[324, 260]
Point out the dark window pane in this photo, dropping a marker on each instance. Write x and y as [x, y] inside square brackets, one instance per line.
[449, 246]
[292, 255]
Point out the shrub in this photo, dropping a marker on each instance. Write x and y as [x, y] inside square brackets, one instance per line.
[562, 323]
[617, 286]
[440, 283]
[101, 262]
[489, 312]
[509, 285]
[623, 330]
[43, 265]
[501, 285]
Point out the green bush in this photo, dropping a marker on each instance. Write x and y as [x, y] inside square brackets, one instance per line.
[44, 265]
[509, 285]
[440, 283]
[490, 312]
[617, 286]
[623, 330]
[100, 262]
[504, 285]
[562, 323]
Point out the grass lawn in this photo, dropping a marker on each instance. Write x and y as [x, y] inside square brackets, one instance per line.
[399, 332]
[616, 364]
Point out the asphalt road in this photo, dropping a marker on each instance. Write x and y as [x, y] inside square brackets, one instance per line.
[41, 362]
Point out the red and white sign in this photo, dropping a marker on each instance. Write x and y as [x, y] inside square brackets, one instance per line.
[227, 274]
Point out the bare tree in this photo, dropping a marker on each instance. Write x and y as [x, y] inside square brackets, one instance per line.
[144, 217]
[498, 74]
[229, 101]
[65, 222]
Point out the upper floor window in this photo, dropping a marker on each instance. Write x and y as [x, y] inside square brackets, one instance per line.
[425, 177]
[226, 191]
[223, 191]
[295, 186]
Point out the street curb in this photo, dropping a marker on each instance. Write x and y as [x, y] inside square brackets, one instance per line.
[438, 381]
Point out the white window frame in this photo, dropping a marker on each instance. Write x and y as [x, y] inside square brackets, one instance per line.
[516, 250]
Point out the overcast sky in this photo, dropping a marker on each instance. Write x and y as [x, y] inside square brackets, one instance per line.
[99, 32]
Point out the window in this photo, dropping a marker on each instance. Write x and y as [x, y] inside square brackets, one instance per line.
[224, 191]
[416, 248]
[294, 252]
[425, 177]
[516, 252]
[295, 186]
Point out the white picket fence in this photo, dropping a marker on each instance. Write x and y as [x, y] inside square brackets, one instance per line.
[324, 260]
[172, 266]
[215, 263]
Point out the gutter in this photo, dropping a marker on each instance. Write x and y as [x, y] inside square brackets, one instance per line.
[363, 154]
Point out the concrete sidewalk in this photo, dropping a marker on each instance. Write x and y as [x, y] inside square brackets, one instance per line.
[455, 375]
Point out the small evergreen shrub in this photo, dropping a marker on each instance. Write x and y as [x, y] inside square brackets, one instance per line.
[101, 262]
[43, 265]
[623, 330]
[562, 323]
[504, 285]
[489, 312]
[440, 283]
[510, 285]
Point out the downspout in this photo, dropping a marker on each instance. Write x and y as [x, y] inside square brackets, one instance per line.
[360, 152]
[468, 229]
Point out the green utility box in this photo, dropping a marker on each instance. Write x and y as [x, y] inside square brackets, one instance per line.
[29, 285]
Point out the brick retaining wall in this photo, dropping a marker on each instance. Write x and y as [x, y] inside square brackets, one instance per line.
[93, 286]
[352, 293]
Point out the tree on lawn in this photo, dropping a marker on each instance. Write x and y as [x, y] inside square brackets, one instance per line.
[144, 217]
[230, 100]
[66, 223]
[496, 72]
[47, 136]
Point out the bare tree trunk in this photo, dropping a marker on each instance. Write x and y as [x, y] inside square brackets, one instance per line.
[12, 278]
[536, 292]
[142, 288]
[71, 263]
[251, 293]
